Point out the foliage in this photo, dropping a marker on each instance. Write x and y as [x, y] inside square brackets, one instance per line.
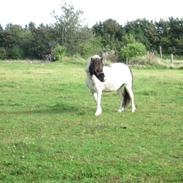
[167, 34]
[133, 50]
[171, 35]
[41, 40]
[16, 53]
[58, 52]
[68, 31]
[111, 34]
[143, 31]
[128, 39]
[2, 53]
[90, 47]
[68, 27]
[89, 44]
[49, 133]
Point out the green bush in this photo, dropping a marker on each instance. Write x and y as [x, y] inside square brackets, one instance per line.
[133, 50]
[2, 53]
[58, 52]
[90, 47]
[16, 53]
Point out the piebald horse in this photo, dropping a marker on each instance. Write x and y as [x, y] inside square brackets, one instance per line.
[115, 77]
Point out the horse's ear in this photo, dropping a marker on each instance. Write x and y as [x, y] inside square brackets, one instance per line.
[101, 59]
[92, 59]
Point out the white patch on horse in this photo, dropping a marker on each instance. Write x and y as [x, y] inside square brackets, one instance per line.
[118, 77]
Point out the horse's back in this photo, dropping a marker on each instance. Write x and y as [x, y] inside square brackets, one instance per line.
[116, 75]
[118, 67]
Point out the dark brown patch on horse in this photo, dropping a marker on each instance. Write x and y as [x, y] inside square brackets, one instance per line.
[126, 98]
[96, 68]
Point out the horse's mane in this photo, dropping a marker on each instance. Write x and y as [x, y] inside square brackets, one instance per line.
[95, 56]
[89, 60]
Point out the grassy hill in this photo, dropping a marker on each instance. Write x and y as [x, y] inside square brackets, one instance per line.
[48, 131]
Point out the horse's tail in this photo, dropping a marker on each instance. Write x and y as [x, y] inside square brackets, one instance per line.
[126, 97]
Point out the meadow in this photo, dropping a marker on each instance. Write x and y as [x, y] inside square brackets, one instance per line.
[48, 131]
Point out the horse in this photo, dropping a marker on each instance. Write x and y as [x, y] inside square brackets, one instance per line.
[114, 77]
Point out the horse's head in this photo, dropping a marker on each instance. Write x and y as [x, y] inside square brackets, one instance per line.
[96, 67]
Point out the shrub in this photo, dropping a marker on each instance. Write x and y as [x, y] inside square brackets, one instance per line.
[58, 52]
[90, 47]
[110, 55]
[16, 53]
[2, 53]
[133, 50]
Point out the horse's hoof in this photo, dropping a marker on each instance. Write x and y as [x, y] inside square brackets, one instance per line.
[133, 110]
[97, 113]
[121, 110]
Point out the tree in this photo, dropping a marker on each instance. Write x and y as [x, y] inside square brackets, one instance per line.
[111, 34]
[12, 39]
[2, 53]
[40, 40]
[170, 35]
[16, 53]
[68, 26]
[143, 31]
[89, 43]
[175, 36]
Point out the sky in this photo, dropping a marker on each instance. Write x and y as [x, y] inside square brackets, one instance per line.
[40, 11]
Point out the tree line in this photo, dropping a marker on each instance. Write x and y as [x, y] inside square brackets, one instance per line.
[68, 36]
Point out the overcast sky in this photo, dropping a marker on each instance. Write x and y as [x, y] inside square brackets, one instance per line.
[39, 11]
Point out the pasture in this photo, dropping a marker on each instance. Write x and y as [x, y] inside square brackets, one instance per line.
[48, 131]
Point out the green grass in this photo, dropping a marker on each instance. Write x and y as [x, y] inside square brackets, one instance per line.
[48, 131]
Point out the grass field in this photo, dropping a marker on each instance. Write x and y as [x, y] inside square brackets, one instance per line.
[48, 131]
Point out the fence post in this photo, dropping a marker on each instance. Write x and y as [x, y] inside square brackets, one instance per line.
[160, 51]
[171, 58]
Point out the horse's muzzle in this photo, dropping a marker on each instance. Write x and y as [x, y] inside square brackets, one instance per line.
[101, 76]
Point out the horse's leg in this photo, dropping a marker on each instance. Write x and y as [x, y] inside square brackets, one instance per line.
[120, 92]
[95, 96]
[98, 101]
[130, 92]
